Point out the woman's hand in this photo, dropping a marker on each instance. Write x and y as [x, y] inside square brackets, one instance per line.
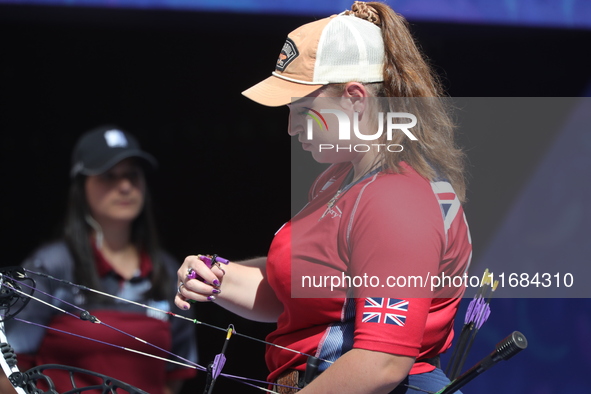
[240, 287]
[205, 286]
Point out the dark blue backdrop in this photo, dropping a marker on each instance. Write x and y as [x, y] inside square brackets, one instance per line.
[566, 13]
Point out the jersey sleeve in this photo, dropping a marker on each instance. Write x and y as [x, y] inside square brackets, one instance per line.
[396, 240]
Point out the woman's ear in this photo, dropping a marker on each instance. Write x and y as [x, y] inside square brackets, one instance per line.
[355, 96]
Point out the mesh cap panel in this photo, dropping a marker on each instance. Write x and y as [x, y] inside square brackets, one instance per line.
[350, 49]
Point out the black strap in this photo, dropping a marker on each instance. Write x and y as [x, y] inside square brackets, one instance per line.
[434, 361]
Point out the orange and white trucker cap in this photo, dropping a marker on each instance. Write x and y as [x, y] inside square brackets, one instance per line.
[338, 49]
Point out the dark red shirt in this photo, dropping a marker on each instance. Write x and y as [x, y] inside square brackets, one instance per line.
[37, 346]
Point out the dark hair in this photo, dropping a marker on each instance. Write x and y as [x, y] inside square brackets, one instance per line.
[77, 234]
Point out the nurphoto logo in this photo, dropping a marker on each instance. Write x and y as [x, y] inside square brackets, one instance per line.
[392, 123]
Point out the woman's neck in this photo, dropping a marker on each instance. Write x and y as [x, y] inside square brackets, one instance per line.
[115, 236]
[120, 252]
[366, 163]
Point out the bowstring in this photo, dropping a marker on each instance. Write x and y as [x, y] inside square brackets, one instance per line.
[243, 380]
[196, 366]
[195, 321]
[240, 379]
[92, 320]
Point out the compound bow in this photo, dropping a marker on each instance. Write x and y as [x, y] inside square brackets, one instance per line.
[16, 290]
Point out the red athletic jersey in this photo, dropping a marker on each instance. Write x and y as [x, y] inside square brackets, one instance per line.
[385, 226]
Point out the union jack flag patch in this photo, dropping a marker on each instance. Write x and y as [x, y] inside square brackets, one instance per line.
[385, 310]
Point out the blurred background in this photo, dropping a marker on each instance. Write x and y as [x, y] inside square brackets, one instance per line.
[171, 72]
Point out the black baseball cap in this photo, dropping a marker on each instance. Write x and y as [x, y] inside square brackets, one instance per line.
[101, 148]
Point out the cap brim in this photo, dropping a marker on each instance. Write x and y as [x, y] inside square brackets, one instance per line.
[146, 157]
[275, 91]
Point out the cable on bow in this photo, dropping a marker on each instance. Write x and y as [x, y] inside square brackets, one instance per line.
[10, 283]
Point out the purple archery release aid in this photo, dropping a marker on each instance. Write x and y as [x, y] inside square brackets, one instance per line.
[209, 261]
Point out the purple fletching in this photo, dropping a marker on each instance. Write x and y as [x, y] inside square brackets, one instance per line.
[218, 365]
[483, 316]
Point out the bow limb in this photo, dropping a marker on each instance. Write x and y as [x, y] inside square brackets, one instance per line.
[8, 359]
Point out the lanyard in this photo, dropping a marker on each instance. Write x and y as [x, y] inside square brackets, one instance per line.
[348, 185]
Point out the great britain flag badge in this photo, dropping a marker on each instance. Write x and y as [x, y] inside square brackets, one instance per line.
[385, 310]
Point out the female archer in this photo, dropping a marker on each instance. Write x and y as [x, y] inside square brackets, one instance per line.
[387, 209]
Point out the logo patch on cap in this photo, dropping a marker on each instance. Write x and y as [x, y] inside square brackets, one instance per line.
[115, 138]
[288, 53]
